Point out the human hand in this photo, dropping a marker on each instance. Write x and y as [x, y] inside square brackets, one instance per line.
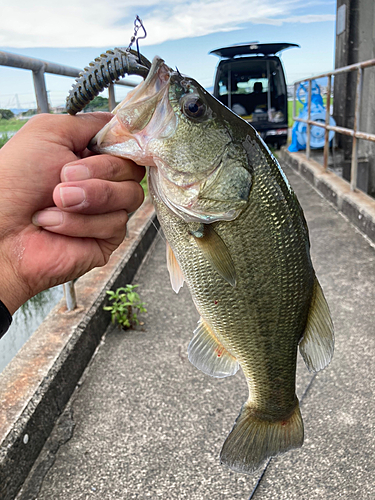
[48, 234]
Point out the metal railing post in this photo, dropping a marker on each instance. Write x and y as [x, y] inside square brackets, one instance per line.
[70, 295]
[326, 132]
[40, 90]
[351, 132]
[111, 97]
[308, 131]
[354, 165]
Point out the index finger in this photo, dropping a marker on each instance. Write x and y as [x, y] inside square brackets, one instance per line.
[74, 132]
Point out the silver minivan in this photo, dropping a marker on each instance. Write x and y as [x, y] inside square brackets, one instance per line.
[250, 80]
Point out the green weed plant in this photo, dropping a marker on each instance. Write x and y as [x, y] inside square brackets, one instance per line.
[126, 304]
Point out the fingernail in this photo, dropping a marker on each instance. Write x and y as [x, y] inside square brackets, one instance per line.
[75, 173]
[48, 218]
[71, 196]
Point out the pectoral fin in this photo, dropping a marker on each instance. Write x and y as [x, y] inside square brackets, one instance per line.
[317, 344]
[207, 354]
[216, 252]
[175, 273]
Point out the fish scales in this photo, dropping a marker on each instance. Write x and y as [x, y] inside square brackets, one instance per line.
[267, 270]
[237, 235]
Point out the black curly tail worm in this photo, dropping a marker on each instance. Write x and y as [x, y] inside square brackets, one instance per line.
[103, 71]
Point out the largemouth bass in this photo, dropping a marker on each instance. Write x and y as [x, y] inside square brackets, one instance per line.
[237, 236]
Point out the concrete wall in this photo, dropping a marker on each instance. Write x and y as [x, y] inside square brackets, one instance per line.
[355, 42]
[38, 382]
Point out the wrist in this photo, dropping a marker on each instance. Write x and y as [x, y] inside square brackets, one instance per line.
[12, 290]
[12, 295]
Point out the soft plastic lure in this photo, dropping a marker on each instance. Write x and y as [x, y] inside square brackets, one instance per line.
[106, 69]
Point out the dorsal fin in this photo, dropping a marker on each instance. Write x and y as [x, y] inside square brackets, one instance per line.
[175, 273]
[216, 252]
[317, 344]
[207, 354]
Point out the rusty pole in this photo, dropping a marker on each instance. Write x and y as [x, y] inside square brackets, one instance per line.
[111, 97]
[40, 90]
[70, 295]
[354, 165]
[308, 131]
[326, 134]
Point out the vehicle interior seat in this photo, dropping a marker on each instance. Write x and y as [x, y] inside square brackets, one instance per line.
[257, 97]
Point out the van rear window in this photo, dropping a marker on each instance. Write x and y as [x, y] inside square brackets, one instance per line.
[253, 86]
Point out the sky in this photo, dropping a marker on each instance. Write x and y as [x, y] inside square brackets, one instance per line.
[182, 32]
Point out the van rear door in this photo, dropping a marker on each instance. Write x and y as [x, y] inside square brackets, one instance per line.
[254, 87]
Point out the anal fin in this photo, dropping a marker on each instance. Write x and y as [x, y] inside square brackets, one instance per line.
[317, 344]
[207, 354]
[175, 273]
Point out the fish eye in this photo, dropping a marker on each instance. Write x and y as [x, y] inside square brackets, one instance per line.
[192, 106]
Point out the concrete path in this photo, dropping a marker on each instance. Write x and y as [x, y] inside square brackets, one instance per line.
[145, 423]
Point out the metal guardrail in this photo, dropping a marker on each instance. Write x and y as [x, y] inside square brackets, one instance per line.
[359, 67]
[39, 68]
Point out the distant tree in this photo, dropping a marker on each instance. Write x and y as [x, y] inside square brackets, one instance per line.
[30, 112]
[98, 103]
[6, 114]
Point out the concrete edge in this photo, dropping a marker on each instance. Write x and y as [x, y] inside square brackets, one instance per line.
[37, 384]
[357, 206]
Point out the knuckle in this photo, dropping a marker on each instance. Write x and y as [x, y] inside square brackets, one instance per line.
[140, 194]
[116, 227]
[98, 194]
[107, 193]
[140, 173]
[38, 121]
[112, 168]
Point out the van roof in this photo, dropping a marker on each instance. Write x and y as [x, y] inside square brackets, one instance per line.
[252, 48]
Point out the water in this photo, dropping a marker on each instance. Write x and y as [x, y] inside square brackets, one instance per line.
[25, 321]
[9, 134]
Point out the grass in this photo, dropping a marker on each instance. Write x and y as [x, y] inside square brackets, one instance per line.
[298, 108]
[11, 125]
[144, 185]
[290, 112]
[4, 138]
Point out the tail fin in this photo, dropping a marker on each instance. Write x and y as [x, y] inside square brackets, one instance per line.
[253, 439]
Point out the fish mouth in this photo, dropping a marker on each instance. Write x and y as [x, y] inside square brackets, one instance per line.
[144, 114]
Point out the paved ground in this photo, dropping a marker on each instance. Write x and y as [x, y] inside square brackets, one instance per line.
[144, 423]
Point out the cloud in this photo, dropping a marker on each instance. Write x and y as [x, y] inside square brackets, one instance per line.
[90, 23]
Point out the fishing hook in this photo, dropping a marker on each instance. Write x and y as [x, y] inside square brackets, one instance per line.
[137, 25]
